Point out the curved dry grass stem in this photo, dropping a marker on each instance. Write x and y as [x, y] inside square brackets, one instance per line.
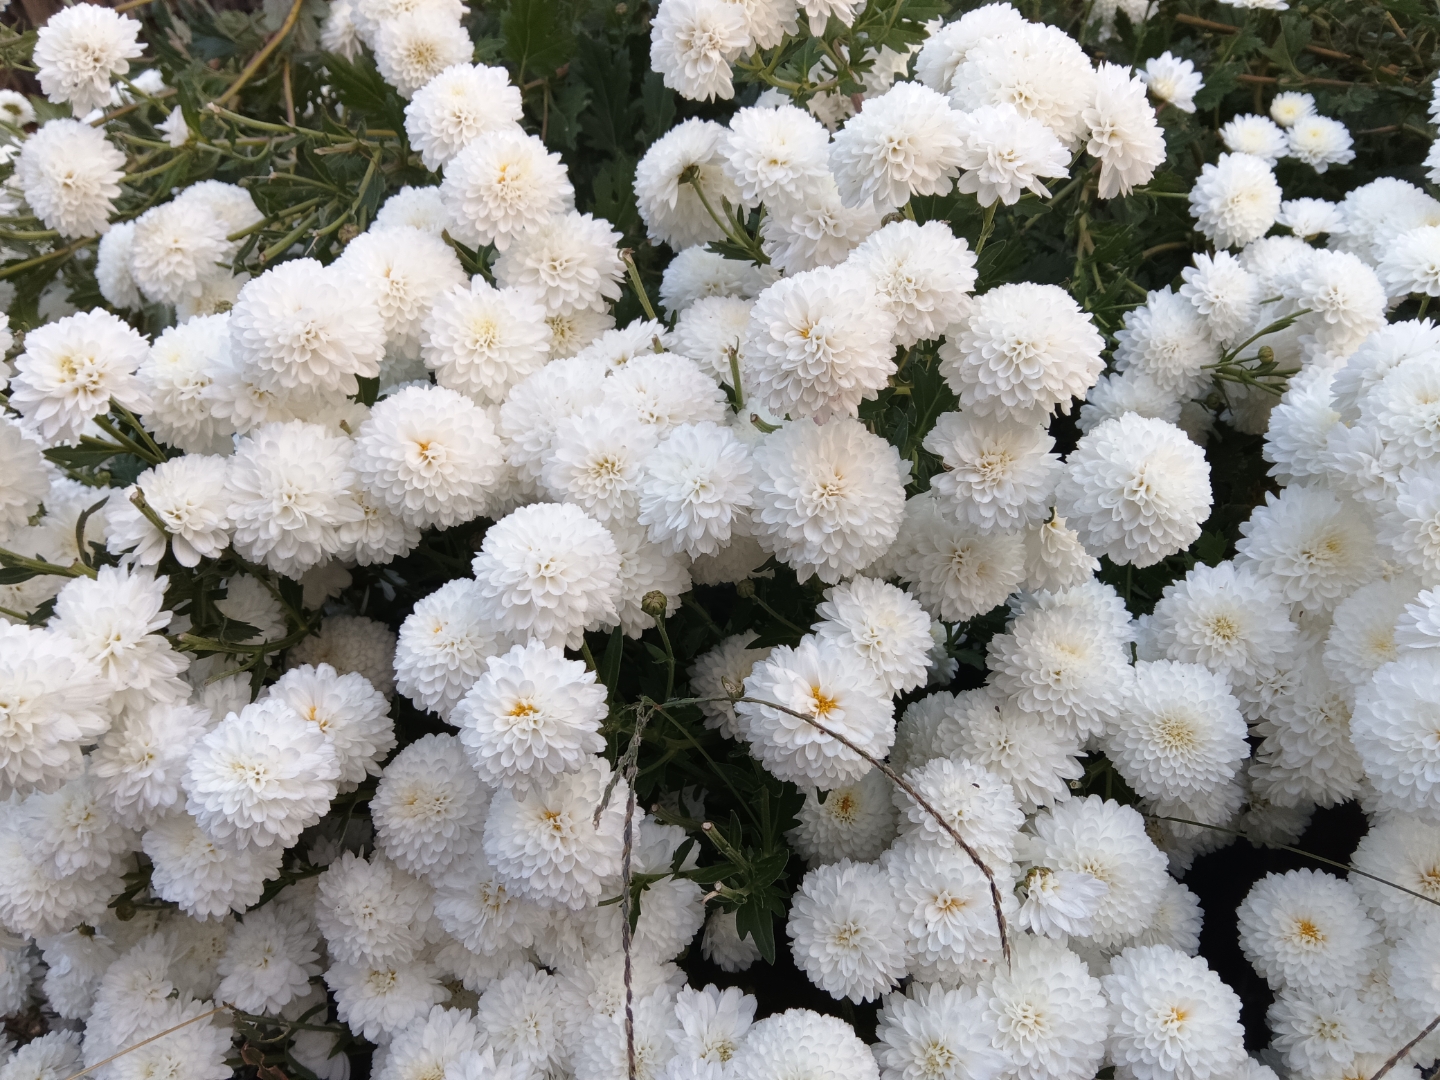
[920, 801]
[145, 1042]
[1399, 1055]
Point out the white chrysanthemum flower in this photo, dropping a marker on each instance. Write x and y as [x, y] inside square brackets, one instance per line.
[501, 184]
[999, 474]
[33, 902]
[821, 681]
[26, 482]
[137, 767]
[1288, 107]
[1235, 200]
[378, 1000]
[70, 176]
[114, 620]
[829, 497]
[802, 1045]
[1362, 630]
[1172, 80]
[1024, 349]
[615, 348]
[545, 845]
[1405, 851]
[956, 570]
[693, 43]
[416, 207]
[188, 495]
[412, 50]
[1323, 1033]
[1393, 736]
[568, 263]
[976, 803]
[1300, 427]
[532, 716]
[1039, 69]
[1006, 153]
[456, 107]
[923, 275]
[1114, 395]
[290, 491]
[1419, 626]
[475, 908]
[429, 808]
[931, 1033]
[1060, 903]
[432, 1047]
[430, 455]
[175, 247]
[269, 961]
[351, 714]
[775, 156]
[1060, 664]
[721, 673]
[1166, 339]
[712, 1023]
[1320, 142]
[1055, 558]
[1224, 292]
[351, 644]
[78, 50]
[908, 141]
[1309, 218]
[846, 933]
[723, 946]
[1306, 931]
[884, 628]
[1136, 489]
[206, 878]
[855, 821]
[371, 911]
[947, 45]
[72, 368]
[818, 343]
[536, 405]
[112, 266]
[443, 645]
[299, 326]
[1176, 922]
[1047, 1015]
[1019, 747]
[596, 463]
[1344, 299]
[1258, 136]
[519, 1017]
[261, 777]
[696, 272]
[1124, 135]
[550, 571]
[1229, 619]
[1377, 212]
[1411, 264]
[1179, 733]
[404, 270]
[179, 376]
[819, 230]
[1309, 545]
[665, 195]
[1109, 842]
[695, 490]
[1173, 1017]
[946, 909]
[482, 341]
[71, 831]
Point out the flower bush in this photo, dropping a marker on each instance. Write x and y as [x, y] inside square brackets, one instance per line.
[719, 540]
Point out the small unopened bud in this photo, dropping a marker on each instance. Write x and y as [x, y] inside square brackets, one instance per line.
[654, 603]
[349, 231]
[745, 588]
[1266, 354]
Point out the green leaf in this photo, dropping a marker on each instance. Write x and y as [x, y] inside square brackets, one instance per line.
[539, 37]
[756, 920]
[609, 671]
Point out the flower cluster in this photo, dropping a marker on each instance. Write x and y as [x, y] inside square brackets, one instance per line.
[414, 639]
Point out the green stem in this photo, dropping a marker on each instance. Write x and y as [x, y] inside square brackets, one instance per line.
[638, 286]
[987, 227]
[15, 560]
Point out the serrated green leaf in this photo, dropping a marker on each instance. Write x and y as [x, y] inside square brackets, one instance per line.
[539, 37]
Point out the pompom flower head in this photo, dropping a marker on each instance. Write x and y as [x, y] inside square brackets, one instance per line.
[78, 50]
